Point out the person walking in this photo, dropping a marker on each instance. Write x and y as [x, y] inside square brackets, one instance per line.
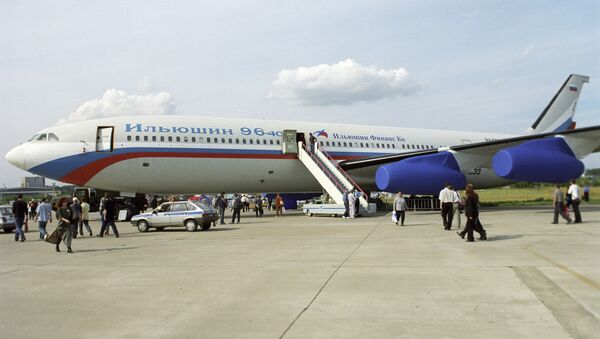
[399, 208]
[237, 208]
[278, 205]
[586, 193]
[63, 217]
[109, 213]
[575, 200]
[19, 210]
[75, 216]
[447, 200]
[221, 204]
[85, 217]
[43, 215]
[472, 214]
[258, 208]
[559, 207]
[457, 205]
[357, 195]
[351, 204]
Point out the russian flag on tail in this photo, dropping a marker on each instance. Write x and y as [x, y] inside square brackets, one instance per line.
[572, 88]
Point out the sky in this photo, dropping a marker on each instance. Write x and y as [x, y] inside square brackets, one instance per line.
[488, 66]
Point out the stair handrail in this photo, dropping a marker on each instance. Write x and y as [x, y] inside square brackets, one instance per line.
[346, 175]
[324, 169]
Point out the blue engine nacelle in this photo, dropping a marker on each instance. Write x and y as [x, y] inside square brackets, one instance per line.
[424, 174]
[545, 160]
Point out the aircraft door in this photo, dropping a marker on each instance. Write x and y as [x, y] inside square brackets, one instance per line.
[290, 146]
[104, 139]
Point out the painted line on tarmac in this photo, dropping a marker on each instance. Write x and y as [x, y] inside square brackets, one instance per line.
[331, 277]
[573, 317]
[590, 282]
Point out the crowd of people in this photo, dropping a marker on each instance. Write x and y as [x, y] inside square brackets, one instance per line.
[74, 216]
[71, 217]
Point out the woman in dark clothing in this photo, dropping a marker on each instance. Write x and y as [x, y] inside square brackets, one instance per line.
[472, 214]
[63, 216]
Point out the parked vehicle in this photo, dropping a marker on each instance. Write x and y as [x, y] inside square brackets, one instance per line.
[188, 214]
[7, 220]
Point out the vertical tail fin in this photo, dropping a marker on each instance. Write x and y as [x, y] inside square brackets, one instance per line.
[558, 115]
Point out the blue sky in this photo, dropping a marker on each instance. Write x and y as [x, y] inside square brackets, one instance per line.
[473, 65]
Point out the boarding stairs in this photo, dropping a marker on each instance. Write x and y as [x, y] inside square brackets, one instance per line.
[330, 175]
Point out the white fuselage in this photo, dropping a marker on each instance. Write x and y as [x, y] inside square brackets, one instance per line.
[178, 154]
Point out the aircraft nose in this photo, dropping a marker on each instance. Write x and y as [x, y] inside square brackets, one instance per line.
[16, 157]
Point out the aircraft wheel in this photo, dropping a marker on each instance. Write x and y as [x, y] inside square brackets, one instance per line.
[142, 226]
[191, 225]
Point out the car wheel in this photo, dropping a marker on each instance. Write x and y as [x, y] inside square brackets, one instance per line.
[7, 229]
[160, 229]
[142, 226]
[206, 226]
[191, 225]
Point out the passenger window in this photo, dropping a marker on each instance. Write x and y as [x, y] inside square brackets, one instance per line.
[145, 138]
[170, 138]
[393, 145]
[154, 138]
[178, 139]
[200, 139]
[185, 139]
[264, 141]
[162, 138]
[222, 140]
[278, 142]
[271, 141]
[321, 143]
[344, 144]
[377, 145]
[179, 207]
[230, 140]
[52, 137]
[327, 143]
[258, 141]
[251, 141]
[137, 138]
[193, 139]
[216, 140]
[402, 146]
[129, 138]
[361, 145]
[237, 141]
[244, 141]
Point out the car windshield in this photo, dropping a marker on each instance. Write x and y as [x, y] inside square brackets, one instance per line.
[5, 211]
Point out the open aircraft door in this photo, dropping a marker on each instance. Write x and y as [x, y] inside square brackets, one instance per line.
[104, 139]
[289, 143]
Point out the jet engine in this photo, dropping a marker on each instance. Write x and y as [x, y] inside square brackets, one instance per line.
[545, 160]
[424, 174]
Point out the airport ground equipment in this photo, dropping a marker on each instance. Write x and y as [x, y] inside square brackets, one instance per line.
[331, 177]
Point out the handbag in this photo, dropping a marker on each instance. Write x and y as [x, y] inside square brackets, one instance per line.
[394, 217]
[54, 237]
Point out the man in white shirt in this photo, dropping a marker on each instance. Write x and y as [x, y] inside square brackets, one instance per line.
[575, 200]
[447, 199]
[43, 215]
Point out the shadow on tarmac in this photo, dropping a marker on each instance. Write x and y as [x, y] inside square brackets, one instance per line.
[105, 249]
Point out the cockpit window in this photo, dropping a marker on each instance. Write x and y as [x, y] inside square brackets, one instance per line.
[33, 137]
[42, 137]
[52, 137]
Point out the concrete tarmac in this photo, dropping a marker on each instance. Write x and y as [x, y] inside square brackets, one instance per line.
[319, 277]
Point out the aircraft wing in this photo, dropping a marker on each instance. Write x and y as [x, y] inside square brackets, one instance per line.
[582, 141]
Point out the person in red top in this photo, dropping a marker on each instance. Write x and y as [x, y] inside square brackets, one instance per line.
[278, 205]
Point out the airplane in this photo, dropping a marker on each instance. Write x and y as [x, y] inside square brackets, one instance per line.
[190, 154]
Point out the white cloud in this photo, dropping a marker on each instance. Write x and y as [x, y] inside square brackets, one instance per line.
[343, 83]
[119, 103]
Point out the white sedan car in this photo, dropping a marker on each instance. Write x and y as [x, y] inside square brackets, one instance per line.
[188, 214]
